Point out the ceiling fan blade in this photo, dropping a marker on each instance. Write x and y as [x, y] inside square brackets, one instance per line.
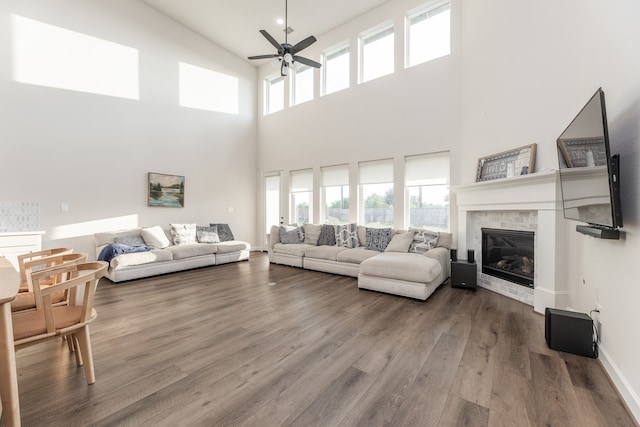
[273, 41]
[273, 55]
[303, 44]
[307, 61]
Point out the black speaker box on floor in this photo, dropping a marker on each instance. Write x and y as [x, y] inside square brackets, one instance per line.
[569, 331]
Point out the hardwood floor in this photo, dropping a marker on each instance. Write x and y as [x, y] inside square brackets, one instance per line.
[253, 344]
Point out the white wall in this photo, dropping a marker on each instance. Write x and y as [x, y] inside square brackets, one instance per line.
[518, 74]
[528, 68]
[412, 111]
[94, 152]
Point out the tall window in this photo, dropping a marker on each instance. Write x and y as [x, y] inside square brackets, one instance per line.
[427, 187]
[301, 196]
[428, 34]
[335, 70]
[376, 193]
[273, 94]
[302, 85]
[271, 200]
[335, 194]
[376, 54]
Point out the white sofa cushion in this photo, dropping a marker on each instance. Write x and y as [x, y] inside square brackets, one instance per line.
[192, 250]
[325, 252]
[139, 258]
[409, 267]
[155, 237]
[356, 255]
[400, 242]
[297, 249]
[232, 246]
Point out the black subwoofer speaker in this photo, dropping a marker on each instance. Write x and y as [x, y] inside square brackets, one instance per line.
[569, 331]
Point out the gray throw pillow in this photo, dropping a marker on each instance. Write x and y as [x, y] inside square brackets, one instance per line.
[312, 233]
[327, 235]
[224, 232]
[131, 240]
[207, 234]
[378, 238]
[290, 234]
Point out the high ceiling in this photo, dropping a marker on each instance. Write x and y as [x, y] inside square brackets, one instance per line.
[235, 24]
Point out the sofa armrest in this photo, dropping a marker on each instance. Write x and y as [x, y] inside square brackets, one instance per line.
[442, 256]
[274, 237]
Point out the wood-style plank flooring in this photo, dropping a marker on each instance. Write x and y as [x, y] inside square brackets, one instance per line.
[254, 344]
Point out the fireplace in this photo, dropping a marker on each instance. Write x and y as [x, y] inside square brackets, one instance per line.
[509, 254]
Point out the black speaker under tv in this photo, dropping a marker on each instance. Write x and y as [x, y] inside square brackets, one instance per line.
[589, 174]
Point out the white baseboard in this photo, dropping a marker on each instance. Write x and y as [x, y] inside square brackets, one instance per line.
[627, 393]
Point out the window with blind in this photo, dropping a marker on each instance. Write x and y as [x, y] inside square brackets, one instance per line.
[427, 191]
[335, 194]
[301, 196]
[376, 193]
[428, 34]
[376, 54]
[335, 70]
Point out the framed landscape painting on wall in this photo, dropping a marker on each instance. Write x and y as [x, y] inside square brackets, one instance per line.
[166, 190]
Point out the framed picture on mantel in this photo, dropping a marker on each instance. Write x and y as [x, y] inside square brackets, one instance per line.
[519, 161]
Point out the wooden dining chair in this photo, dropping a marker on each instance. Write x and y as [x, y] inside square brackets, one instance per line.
[25, 300]
[33, 256]
[71, 321]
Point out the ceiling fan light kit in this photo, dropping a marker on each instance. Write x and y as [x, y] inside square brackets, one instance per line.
[286, 53]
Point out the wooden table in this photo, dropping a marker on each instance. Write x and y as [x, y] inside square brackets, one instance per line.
[9, 284]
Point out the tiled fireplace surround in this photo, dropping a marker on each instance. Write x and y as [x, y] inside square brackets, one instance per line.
[526, 203]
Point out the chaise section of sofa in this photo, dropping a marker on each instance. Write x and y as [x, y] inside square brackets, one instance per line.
[399, 264]
[164, 259]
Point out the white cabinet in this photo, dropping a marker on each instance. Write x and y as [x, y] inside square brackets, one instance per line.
[17, 243]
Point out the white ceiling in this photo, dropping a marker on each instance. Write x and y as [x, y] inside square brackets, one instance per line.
[235, 24]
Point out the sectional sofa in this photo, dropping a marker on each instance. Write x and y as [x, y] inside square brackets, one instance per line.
[411, 263]
[143, 252]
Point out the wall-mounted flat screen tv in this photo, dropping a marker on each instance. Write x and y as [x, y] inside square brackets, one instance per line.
[589, 174]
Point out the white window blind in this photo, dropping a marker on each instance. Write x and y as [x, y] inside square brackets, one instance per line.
[335, 175]
[301, 180]
[429, 169]
[376, 172]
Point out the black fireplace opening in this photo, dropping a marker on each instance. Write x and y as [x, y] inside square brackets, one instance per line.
[508, 254]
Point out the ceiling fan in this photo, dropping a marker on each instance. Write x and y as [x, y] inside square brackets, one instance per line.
[287, 54]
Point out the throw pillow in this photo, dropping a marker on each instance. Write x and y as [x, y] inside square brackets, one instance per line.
[155, 237]
[423, 241]
[445, 240]
[183, 234]
[327, 235]
[130, 240]
[401, 242]
[290, 234]
[378, 238]
[207, 234]
[224, 232]
[362, 235]
[347, 235]
[312, 233]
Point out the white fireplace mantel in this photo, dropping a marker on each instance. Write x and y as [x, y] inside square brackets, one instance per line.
[539, 192]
